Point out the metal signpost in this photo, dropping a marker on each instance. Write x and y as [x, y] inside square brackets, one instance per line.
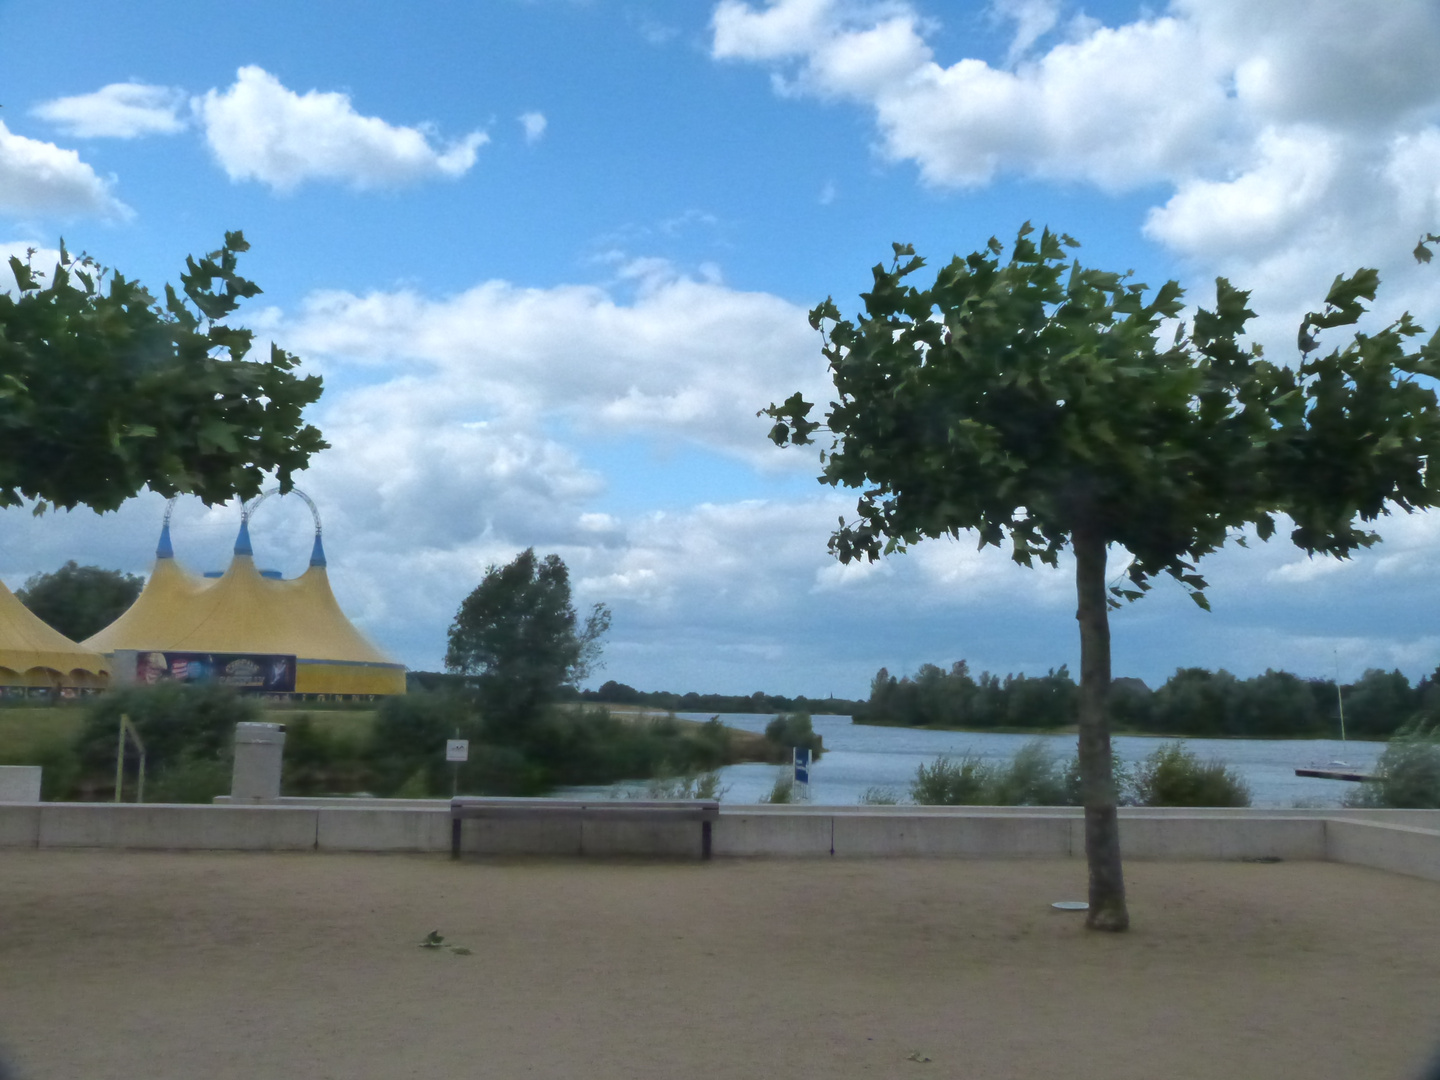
[456, 751]
[802, 774]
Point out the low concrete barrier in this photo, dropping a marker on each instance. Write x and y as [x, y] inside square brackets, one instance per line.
[176, 828]
[19, 825]
[370, 828]
[1401, 849]
[1181, 835]
[1405, 842]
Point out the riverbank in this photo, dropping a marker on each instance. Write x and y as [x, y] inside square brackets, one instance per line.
[1074, 730]
[237, 966]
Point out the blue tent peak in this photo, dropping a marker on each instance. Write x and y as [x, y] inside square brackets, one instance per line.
[242, 542]
[317, 553]
[163, 550]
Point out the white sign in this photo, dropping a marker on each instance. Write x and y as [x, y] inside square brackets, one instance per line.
[457, 749]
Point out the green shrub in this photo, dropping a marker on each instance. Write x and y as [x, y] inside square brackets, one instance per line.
[1407, 773]
[1172, 776]
[783, 790]
[947, 781]
[794, 730]
[1034, 777]
[705, 785]
[1121, 776]
[321, 762]
[879, 796]
[409, 735]
[188, 731]
[189, 780]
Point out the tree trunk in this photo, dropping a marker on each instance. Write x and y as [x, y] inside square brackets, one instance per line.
[1097, 779]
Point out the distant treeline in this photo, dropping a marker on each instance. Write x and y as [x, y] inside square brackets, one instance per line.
[1193, 701]
[617, 693]
[614, 693]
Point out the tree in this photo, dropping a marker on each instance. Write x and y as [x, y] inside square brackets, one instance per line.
[79, 600]
[519, 633]
[1030, 400]
[103, 391]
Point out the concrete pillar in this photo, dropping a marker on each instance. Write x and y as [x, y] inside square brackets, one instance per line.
[19, 783]
[259, 749]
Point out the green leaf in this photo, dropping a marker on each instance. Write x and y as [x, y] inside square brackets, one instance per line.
[24, 276]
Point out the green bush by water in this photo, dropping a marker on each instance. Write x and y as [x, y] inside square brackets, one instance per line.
[1407, 773]
[794, 730]
[783, 790]
[1173, 776]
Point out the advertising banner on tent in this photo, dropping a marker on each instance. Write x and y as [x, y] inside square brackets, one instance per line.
[242, 671]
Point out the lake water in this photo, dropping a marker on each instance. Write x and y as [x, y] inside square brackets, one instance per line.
[859, 756]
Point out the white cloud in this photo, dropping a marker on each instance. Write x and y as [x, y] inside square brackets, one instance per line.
[41, 178]
[1296, 138]
[1033, 19]
[534, 124]
[260, 130]
[119, 110]
[687, 360]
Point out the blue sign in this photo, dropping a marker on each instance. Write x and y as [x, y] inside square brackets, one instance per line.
[802, 765]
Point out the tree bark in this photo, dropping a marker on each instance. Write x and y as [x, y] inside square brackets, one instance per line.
[1097, 779]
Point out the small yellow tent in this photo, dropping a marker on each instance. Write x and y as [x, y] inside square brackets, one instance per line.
[245, 612]
[34, 655]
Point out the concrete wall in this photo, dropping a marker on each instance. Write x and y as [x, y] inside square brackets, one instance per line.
[176, 828]
[1406, 842]
[1401, 849]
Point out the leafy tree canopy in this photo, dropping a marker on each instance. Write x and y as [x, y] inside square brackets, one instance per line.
[104, 391]
[80, 600]
[519, 632]
[1029, 399]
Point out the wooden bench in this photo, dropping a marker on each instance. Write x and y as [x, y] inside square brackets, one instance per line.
[648, 811]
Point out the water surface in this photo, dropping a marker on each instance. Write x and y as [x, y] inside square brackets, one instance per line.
[860, 756]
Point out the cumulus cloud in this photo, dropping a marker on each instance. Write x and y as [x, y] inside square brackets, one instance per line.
[1033, 19]
[260, 130]
[119, 110]
[41, 178]
[1295, 138]
[686, 360]
[533, 124]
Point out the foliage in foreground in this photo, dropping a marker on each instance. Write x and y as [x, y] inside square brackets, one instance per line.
[107, 390]
[1407, 774]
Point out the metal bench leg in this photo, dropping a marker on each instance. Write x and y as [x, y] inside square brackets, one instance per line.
[705, 840]
[455, 838]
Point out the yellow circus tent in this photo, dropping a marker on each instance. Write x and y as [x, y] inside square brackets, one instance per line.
[246, 612]
[33, 654]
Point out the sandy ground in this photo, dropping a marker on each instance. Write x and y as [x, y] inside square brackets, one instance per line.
[206, 967]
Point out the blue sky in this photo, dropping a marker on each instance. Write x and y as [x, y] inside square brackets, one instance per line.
[551, 257]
